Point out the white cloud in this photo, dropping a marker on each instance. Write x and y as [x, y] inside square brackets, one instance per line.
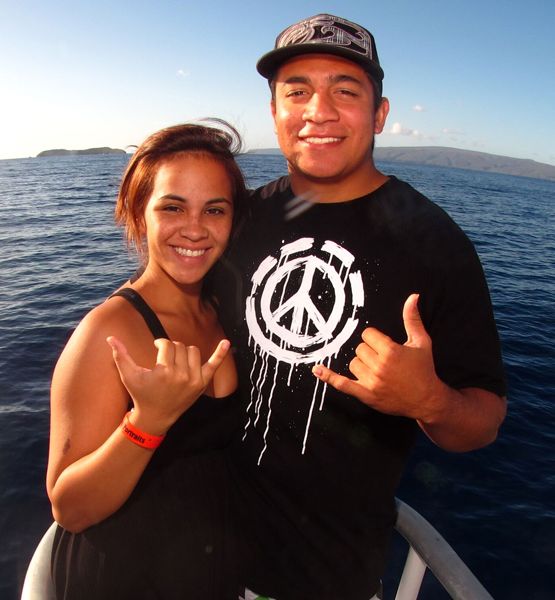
[448, 131]
[398, 129]
[182, 73]
[418, 108]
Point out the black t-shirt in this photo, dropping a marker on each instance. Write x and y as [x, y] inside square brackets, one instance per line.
[316, 470]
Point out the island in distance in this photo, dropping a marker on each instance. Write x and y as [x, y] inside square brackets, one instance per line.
[61, 152]
[440, 156]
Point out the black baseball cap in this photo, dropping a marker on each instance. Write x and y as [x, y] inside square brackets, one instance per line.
[325, 34]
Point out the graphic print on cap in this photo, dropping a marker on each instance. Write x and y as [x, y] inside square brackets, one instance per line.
[301, 310]
[327, 29]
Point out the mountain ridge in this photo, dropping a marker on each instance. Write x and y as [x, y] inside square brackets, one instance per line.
[444, 156]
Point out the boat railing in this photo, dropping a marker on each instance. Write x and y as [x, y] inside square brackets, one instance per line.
[427, 550]
[38, 579]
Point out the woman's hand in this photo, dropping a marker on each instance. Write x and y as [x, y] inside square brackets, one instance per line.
[162, 394]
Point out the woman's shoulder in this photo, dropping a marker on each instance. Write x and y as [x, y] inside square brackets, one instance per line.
[113, 317]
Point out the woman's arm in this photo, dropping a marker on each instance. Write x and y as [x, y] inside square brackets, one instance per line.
[93, 467]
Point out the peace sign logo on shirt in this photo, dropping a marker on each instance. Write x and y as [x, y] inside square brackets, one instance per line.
[302, 306]
[302, 309]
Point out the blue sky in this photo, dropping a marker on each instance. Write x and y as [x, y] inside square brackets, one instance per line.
[75, 74]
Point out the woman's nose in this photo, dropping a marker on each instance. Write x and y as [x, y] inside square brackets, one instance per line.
[193, 228]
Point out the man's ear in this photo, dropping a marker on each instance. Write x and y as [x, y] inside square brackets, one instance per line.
[381, 115]
[273, 111]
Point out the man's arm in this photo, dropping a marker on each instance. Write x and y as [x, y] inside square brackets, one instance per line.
[401, 380]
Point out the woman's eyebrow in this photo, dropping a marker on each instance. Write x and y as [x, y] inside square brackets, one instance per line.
[179, 198]
[219, 201]
[172, 197]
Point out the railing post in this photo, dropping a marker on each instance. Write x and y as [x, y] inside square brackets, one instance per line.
[412, 577]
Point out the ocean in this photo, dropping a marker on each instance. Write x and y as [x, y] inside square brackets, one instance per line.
[62, 254]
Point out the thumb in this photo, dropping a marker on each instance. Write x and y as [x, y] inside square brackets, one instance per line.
[211, 365]
[416, 333]
[124, 363]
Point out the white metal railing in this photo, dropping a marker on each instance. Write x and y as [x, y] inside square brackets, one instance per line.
[427, 550]
[38, 580]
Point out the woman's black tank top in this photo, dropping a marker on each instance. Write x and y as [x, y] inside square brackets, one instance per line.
[175, 536]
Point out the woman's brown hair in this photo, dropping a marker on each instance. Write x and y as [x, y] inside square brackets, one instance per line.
[221, 143]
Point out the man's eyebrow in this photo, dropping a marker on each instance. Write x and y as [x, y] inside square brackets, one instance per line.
[333, 79]
[344, 79]
[297, 79]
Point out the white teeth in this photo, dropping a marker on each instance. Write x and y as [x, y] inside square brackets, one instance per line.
[320, 140]
[189, 253]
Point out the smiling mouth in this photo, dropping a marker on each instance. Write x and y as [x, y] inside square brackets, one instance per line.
[321, 140]
[189, 253]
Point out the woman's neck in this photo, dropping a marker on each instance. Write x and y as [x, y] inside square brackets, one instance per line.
[165, 295]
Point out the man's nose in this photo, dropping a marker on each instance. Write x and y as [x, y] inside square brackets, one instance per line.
[320, 108]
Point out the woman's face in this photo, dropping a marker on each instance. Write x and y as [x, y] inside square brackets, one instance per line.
[188, 217]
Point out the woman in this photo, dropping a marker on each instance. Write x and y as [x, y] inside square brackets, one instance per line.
[135, 473]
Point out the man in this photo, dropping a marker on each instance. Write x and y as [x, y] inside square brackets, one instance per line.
[339, 261]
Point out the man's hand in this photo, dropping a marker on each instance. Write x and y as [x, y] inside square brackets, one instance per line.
[397, 379]
[401, 380]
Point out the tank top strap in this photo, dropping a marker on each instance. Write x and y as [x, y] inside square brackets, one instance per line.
[152, 321]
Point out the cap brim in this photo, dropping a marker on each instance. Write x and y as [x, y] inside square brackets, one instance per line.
[271, 61]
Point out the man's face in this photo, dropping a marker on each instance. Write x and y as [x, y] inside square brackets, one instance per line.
[325, 120]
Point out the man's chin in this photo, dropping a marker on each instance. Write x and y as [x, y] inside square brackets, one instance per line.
[318, 173]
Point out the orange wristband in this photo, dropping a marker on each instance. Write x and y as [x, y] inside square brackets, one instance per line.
[145, 440]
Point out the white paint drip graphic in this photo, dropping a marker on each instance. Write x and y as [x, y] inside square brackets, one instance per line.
[290, 329]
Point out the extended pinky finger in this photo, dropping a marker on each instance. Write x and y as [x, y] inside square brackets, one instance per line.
[217, 358]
